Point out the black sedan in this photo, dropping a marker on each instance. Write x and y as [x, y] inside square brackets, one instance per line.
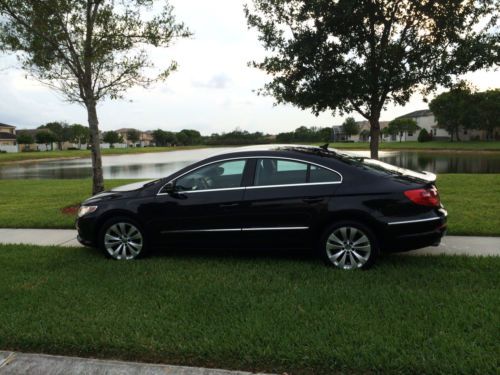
[348, 208]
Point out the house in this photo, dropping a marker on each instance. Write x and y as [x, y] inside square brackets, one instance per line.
[8, 141]
[145, 138]
[425, 120]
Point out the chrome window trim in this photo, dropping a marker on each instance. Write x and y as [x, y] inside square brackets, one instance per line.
[414, 221]
[253, 186]
[247, 229]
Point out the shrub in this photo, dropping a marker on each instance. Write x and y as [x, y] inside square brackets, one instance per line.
[424, 136]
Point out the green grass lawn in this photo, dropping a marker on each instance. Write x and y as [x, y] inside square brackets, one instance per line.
[472, 200]
[27, 156]
[408, 315]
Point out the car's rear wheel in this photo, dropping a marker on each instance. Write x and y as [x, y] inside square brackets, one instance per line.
[349, 245]
[122, 238]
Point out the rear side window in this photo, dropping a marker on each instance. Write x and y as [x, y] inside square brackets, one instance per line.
[280, 172]
[318, 174]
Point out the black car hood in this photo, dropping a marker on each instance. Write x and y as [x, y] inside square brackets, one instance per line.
[124, 191]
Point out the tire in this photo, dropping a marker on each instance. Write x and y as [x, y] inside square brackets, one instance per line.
[349, 245]
[122, 238]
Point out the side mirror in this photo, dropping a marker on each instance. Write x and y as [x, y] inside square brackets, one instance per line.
[169, 188]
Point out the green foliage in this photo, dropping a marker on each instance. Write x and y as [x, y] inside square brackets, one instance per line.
[349, 127]
[164, 138]
[24, 138]
[453, 109]
[238, 137]
[112, 137]
[189, 137]
[45, 137]
[304, 134]
[88, 49]
[424, 136]
[133, 136]
[361, 55]
[79, 134]
[400, 126]
[486, 108]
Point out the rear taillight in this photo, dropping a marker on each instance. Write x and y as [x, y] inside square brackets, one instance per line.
[424, 197]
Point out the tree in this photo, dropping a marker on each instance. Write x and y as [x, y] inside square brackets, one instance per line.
[424, 136]
[401, 126]
[133, 136]
[452, 110]
[349, 127]
[112, 137]
[359, 56]
[164, 138]
[88, 49]
[79, 134]
[45, 137]
[60, 130]
[24, 139]
[487, 111]
[189, 137]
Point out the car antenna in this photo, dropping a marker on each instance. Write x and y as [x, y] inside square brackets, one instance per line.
[324, 147]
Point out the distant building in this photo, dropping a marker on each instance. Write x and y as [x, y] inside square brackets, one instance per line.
[8, 136]
[425, 120]
[145, 138]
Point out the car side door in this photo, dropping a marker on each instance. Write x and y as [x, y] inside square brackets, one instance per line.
[286, 200]
[203, 208]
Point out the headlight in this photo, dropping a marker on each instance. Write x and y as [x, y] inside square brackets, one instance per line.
[84, 210]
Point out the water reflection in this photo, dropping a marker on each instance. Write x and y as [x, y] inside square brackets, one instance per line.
[162, 164]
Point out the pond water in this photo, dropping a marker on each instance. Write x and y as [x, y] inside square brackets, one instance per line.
[156, 165]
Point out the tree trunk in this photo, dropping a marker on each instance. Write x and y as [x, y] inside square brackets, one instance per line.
[458, 136]
[97, 177]
[374, 137]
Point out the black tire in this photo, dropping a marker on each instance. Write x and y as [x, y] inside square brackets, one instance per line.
[132, 239]
[352, 251]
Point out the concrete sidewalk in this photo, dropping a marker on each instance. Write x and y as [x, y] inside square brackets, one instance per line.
[13, 363]
[450, 245]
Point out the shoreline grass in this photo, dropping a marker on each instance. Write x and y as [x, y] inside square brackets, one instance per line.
[408, 315]
[472, 201]
[24, 157]
[466, 146]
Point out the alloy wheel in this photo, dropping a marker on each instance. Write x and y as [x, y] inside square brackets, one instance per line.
[123, 241]
[348, 248]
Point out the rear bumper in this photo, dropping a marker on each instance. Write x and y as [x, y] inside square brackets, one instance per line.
[415, 234]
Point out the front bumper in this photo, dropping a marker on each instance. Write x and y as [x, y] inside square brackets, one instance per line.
[86, 231]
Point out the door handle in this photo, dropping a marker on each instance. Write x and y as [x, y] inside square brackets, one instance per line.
[225, 205]
[312, 200]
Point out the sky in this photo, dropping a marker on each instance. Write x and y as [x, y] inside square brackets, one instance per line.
[213, 89]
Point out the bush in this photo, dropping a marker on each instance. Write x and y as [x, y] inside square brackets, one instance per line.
[424, 136]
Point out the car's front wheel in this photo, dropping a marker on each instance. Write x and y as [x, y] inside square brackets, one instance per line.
[122, 238]
[349, 245]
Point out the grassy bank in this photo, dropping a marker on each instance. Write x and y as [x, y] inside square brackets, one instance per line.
[409, 315]
[422, 146]
[472, 200]
[42, 155]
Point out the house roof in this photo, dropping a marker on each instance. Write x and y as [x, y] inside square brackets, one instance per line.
[6, 126]
[9, 136]
[420, 113]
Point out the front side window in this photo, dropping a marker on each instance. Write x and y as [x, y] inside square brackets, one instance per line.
[280, 172]
[222, 175]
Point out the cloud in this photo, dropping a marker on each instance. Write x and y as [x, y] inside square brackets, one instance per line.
[218, 81]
